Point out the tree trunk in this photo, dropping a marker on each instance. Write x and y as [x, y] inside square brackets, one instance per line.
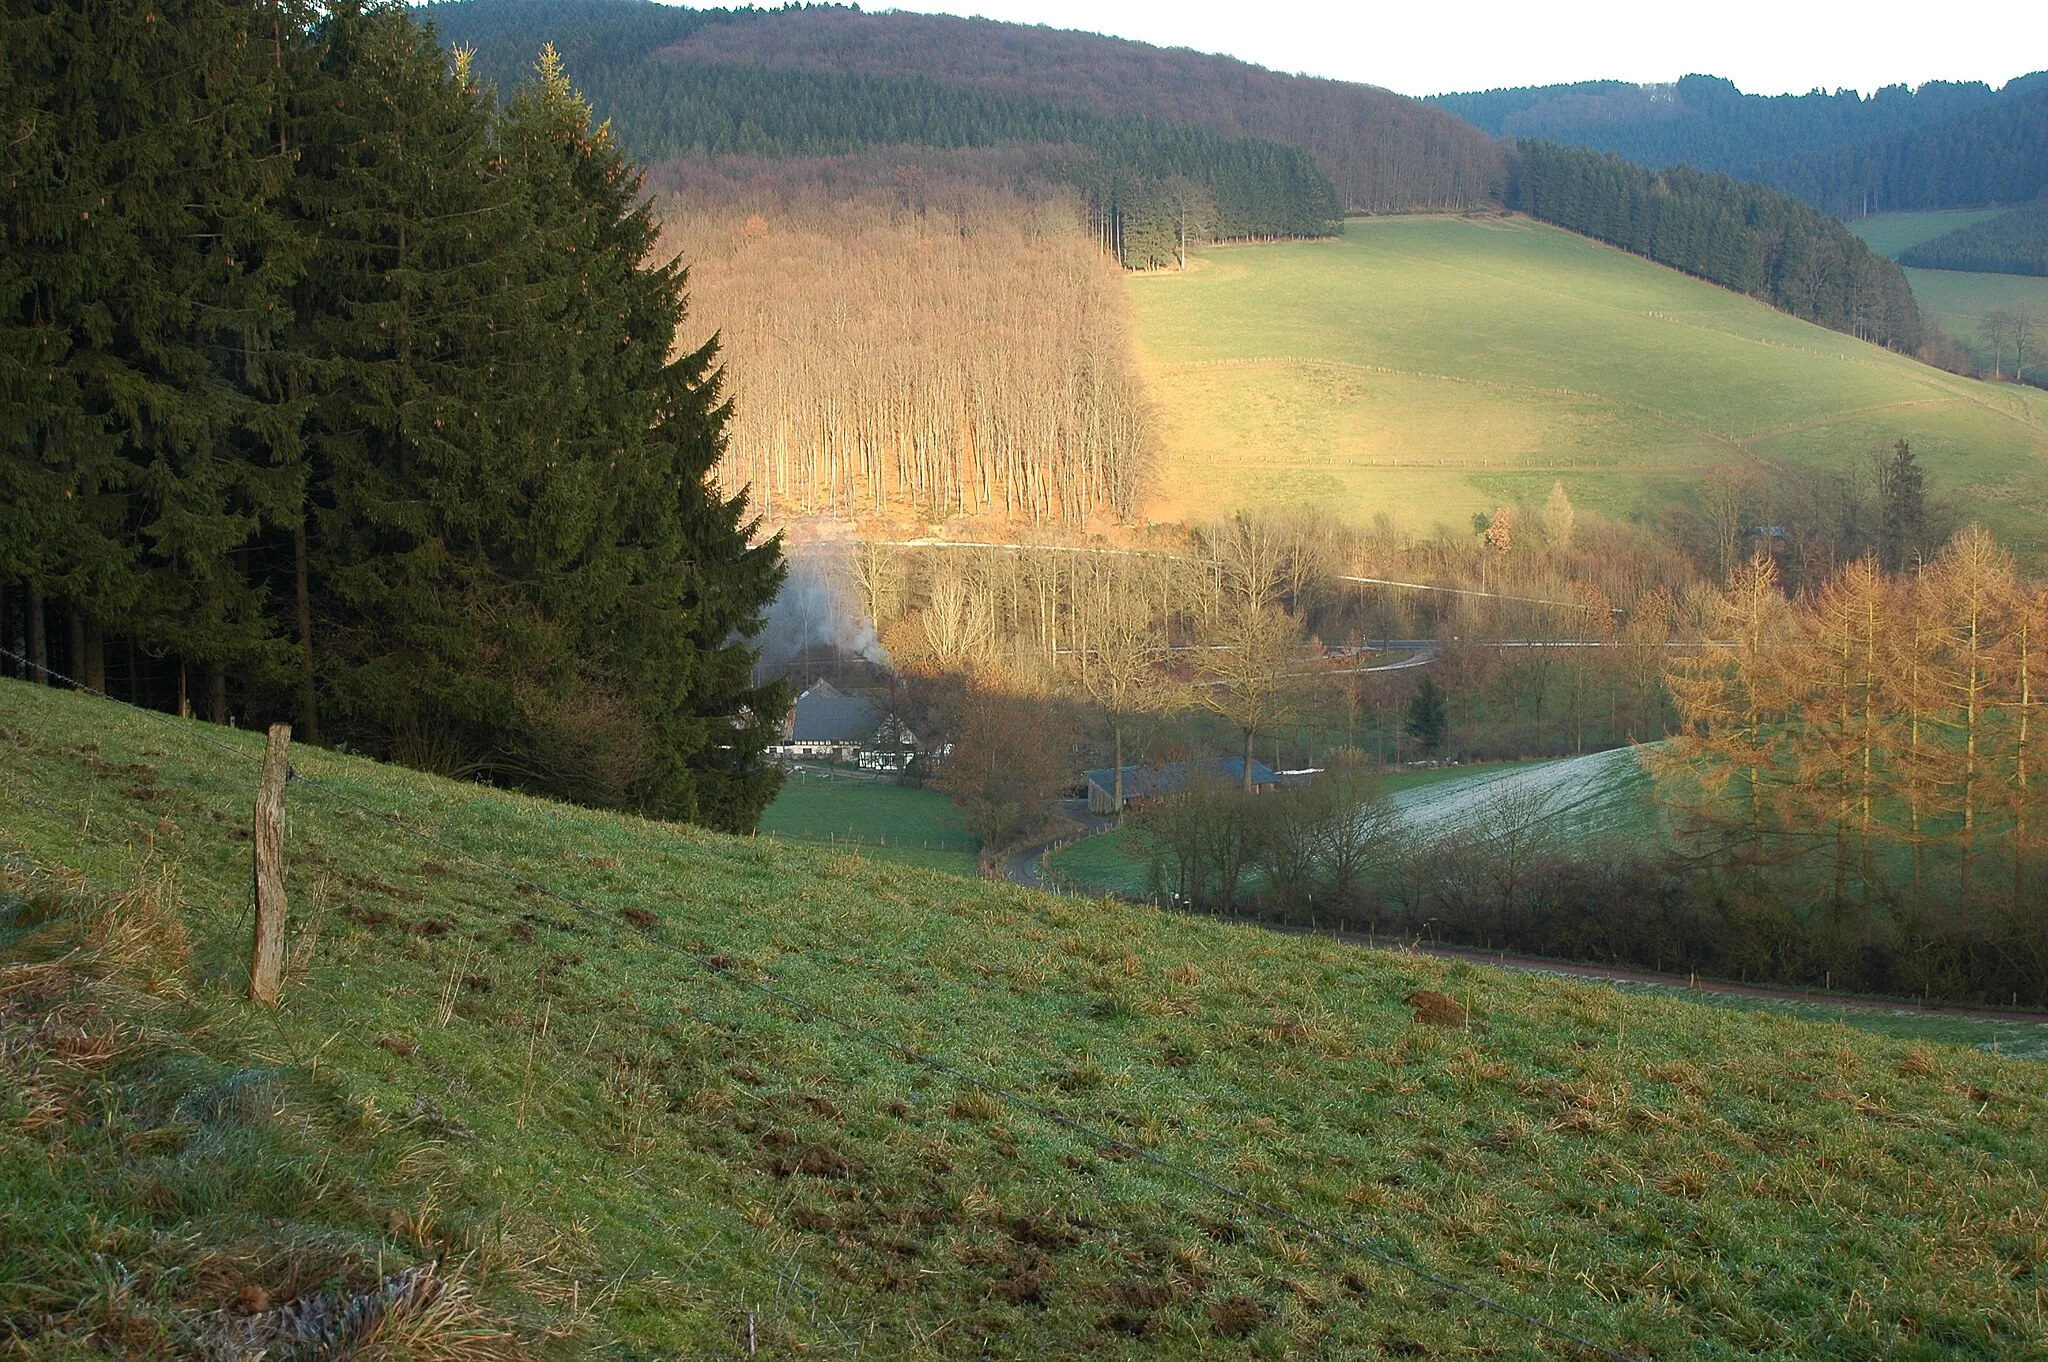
[309, 694]
[1117, 738]
[74, 661]
[266, 960]
[1248, 735]
[95, 657]
[38, 642]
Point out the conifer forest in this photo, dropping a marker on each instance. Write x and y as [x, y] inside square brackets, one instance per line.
[338, 389]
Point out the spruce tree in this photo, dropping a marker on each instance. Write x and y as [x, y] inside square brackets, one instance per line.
[139, 282]
[423, 651]
[659, 568]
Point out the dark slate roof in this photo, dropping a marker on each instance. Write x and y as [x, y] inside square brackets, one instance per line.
[1147, 782]
[825, 715]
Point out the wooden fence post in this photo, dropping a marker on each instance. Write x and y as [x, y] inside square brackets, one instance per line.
[266, 965]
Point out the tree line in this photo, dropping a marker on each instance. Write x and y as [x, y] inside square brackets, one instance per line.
[1997, 154]
[1862, 765]
[663, 109]
[335, 389]
[1706, 122]
[1738, 235]
[1853, 796]
[2011, 243]
[1385, 153]
[1135, 170]
[912, 343]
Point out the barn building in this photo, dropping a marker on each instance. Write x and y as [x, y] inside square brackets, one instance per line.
[1166, 778]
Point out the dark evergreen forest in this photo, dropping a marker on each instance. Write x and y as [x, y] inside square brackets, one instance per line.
[333, 389]
[1998, 154]
[1733, 233]
[1138, 176]
[2011, 243]
[1706, 122]
[1384, 152]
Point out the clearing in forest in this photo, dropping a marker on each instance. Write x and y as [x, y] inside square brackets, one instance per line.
[1433, 367]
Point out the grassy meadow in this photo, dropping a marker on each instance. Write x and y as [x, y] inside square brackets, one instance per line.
[1431, 367]
[528, 1055]
[1893, 234]
[877, 819]
[1118, 862]
[1956, 300]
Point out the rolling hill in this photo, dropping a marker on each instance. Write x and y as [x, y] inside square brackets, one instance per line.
[1433, 367]
[1705, 121]
[550, 1082]
[1383, 151]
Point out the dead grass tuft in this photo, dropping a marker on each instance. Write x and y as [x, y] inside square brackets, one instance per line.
[1436, 1009]
[1919, 1062]
[1681, 1075]
[415, 1315]
[974, 1106]
[1234, 1317]
[140, 934]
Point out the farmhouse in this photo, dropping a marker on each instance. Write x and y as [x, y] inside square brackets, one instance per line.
[827, 724]
[1164, 778]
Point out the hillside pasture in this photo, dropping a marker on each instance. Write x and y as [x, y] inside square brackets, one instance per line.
[644, 1091]
[1893, 234]
[1428, 368]
[1955, 300]
[877, 819]
[1598, 797]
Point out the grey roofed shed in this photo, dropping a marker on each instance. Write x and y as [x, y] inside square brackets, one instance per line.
[1165, 778]
[823, 714]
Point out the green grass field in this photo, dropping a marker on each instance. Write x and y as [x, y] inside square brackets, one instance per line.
[1119, 863]
[1892, 234]
[1599, 797]
[880, 820]
[1956, 300]
[1429, 368]
[628, 1090]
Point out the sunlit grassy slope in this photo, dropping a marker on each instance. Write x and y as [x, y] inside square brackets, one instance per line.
[592, 1114]
[1956, 300]
[1434, 367]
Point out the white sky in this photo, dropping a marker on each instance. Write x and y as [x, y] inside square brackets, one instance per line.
[1424, 48]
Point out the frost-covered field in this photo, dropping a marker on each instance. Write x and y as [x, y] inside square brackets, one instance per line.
[1576, 799]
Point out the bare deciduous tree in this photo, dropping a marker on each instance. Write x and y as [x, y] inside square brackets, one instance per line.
[1119, 653]
[1244, 674]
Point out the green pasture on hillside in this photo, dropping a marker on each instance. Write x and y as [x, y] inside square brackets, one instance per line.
[632, 1090]
[1893, 234]
[1431, 367]
[1576, 799]
[1959, 300]
[1955, 300]
[874, 817]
